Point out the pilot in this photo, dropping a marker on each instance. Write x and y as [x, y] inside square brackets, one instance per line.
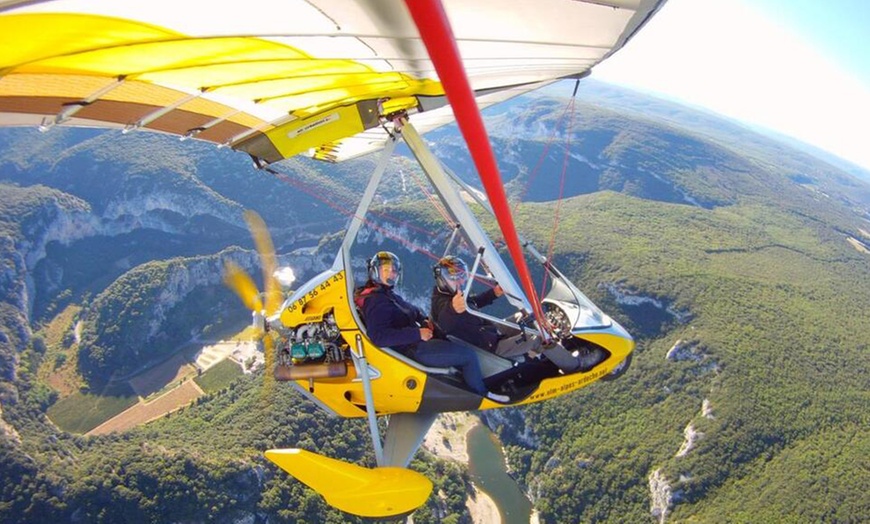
[450, 313]
[391, 321]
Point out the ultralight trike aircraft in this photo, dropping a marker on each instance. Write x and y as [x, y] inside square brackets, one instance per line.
[335, 79]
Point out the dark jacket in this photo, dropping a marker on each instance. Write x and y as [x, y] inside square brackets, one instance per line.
[390, 320]
[466, 326]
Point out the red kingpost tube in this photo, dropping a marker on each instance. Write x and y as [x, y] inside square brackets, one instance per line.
[434, 27]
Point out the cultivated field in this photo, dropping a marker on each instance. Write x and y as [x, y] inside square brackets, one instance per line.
[145, 412]
[176, 369]
[155, 392]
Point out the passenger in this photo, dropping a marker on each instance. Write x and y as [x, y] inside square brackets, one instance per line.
[450, 313]
[391, 321]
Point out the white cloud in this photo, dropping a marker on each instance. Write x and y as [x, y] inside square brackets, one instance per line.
[721, 55]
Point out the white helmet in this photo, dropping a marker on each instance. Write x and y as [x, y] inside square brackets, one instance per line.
[450, 274]
[385, 268]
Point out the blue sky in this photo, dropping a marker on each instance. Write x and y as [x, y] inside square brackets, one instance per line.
[799, 67]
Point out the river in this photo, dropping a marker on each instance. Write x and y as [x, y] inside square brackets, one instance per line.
[486, 465]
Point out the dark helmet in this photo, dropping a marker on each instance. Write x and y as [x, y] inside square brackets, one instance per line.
[387, 265]
[450, 274]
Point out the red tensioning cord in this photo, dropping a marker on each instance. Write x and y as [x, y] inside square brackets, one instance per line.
[557, 213]
[534, 174]
[434, 201]
[343, 210]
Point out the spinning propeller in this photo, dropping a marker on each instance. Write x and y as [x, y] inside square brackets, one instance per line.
[265, 304]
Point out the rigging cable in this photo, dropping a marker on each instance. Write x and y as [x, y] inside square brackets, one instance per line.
[370, 223]
[534, 173]
[434, 201]
[318, 195]
[405, 241]
[565, 146]
[334, 199]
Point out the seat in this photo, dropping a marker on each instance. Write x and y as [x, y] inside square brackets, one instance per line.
[490, 363]
[413, 363]
[399, 356]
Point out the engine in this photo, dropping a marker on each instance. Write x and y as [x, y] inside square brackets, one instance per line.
[315, 342]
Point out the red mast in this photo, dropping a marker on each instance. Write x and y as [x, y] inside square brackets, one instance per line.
[435, 30]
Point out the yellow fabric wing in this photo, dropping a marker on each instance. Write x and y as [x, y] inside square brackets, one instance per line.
[277, 78]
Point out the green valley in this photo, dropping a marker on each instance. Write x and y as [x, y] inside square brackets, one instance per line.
[734, 260]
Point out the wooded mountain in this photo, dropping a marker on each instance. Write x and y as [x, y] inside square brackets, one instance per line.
[739, 263]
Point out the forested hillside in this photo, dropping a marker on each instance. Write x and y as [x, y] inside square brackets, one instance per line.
[739, 264]
[766, 368]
